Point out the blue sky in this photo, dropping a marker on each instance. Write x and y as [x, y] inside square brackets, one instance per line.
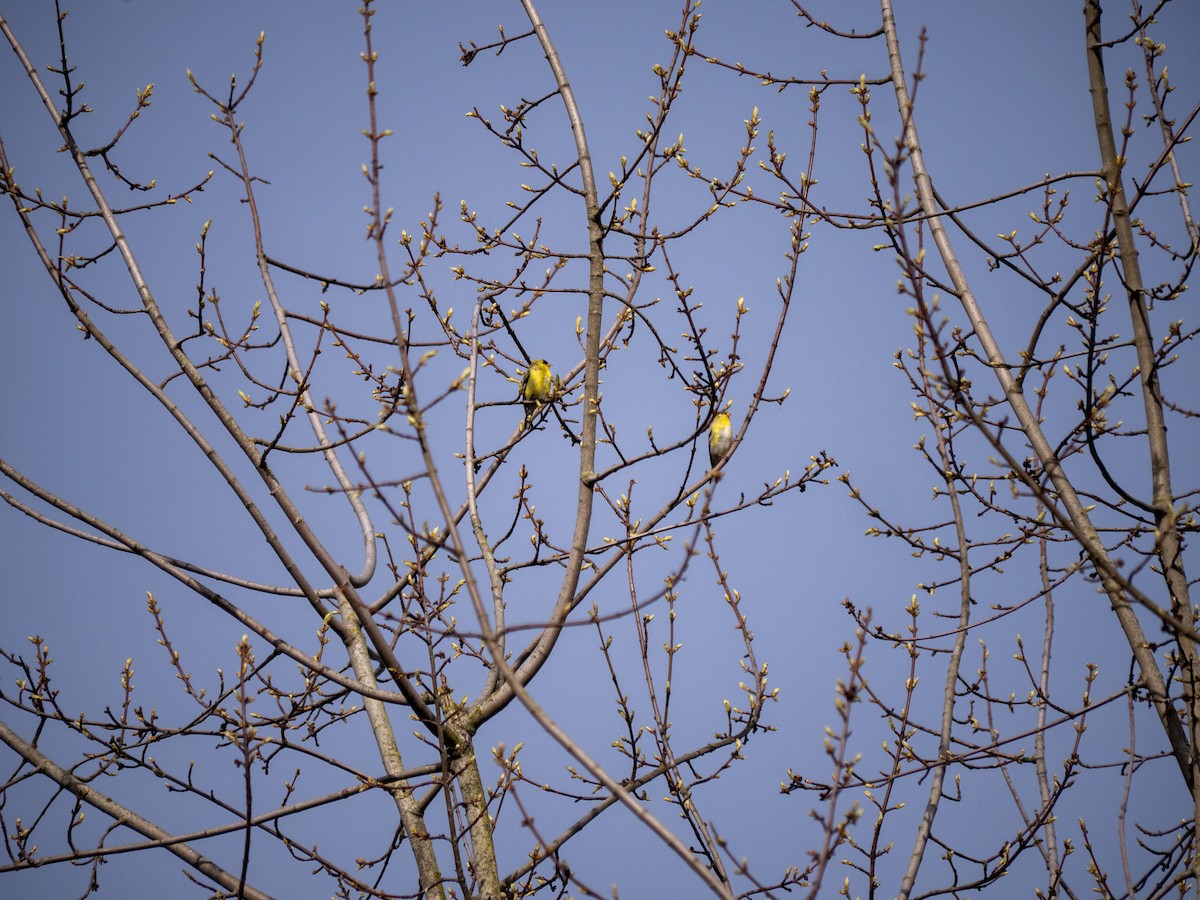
[1004, 102]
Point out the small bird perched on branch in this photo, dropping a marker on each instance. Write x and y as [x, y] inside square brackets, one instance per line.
[536, 388]
[720, 436]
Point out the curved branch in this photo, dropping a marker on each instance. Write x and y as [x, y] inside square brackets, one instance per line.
[1170, 550]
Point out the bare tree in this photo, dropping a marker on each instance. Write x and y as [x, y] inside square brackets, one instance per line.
[508, 516]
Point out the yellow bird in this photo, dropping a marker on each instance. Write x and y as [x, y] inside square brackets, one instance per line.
[720, 436]
[536, 388]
